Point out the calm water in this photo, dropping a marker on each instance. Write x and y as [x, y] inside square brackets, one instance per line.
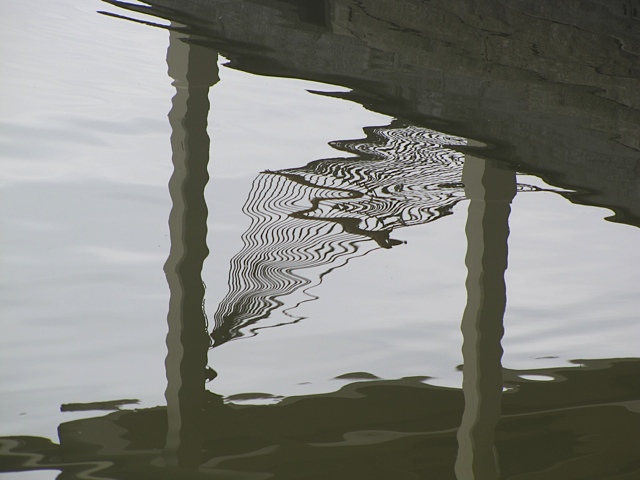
[320, 264]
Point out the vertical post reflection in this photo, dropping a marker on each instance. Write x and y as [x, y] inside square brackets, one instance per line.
[194, 69]
[490, 191]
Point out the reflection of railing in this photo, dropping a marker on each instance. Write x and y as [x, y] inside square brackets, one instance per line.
[307, 221]
[410, 178]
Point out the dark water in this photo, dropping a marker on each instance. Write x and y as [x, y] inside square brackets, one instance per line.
[386, 254]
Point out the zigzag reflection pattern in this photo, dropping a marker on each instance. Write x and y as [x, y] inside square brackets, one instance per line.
[308, 221]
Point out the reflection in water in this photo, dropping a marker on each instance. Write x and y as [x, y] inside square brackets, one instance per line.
[490, 191]
[308, 221]
[194, 70]
[553, 86]
[585, 424]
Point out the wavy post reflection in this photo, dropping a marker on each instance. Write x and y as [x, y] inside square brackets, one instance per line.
[490, 191]
[194, 69]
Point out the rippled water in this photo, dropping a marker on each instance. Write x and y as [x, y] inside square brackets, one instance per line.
[338, 258]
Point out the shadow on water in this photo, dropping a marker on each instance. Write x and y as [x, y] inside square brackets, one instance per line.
[583, 422]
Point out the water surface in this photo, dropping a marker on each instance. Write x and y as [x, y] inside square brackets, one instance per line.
[323, 261]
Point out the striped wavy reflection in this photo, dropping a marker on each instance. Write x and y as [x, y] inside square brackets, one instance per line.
[307, 221]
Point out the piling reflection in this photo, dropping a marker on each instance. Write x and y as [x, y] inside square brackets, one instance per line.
[490, 191]
[194, 70]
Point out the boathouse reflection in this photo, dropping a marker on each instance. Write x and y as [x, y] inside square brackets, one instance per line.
[418, 163]
[551, 87]
[372, 430]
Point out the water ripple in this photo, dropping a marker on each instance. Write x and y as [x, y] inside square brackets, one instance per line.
[310, 220]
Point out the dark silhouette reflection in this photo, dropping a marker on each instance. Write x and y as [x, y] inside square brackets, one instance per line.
[194, 69]
[551, 86]
[584, 423]
[490, 191]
